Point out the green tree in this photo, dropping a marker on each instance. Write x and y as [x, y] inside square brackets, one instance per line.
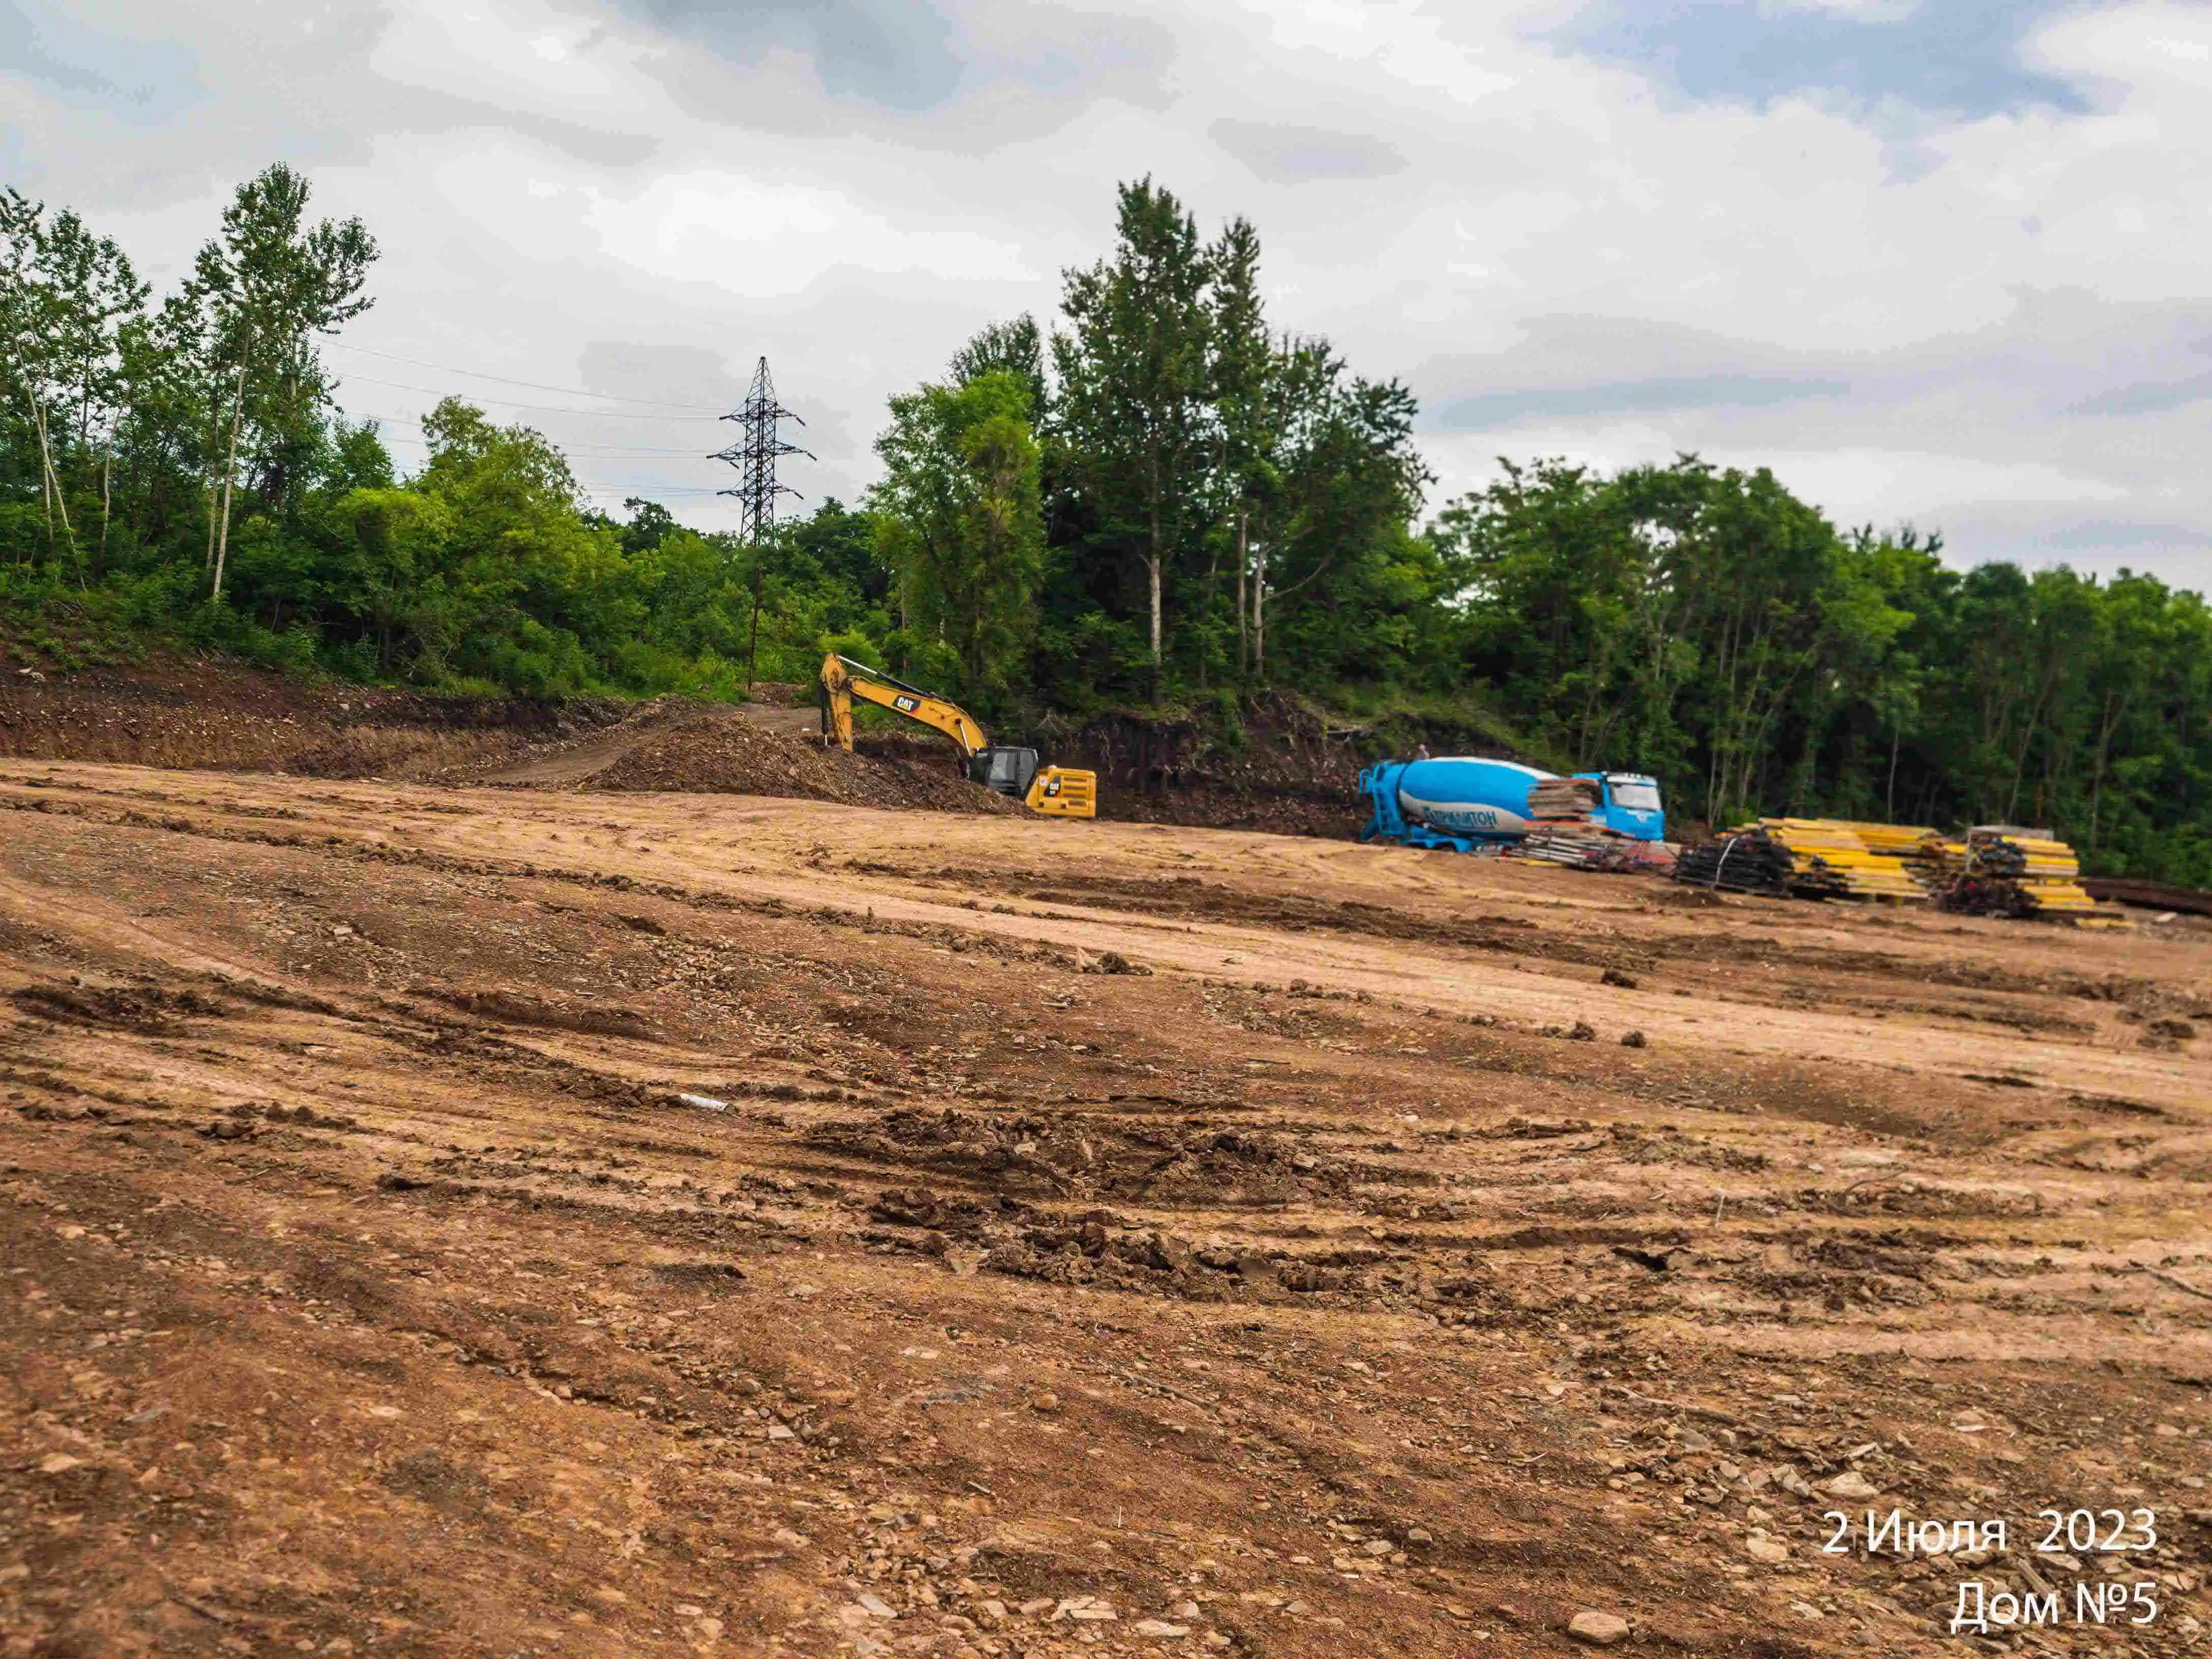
[33, 327]
[962, 520]
[65, 298]
[271, 283]
[1243, 386]
[1132, 374]
[1016, 348]
[1339, 536]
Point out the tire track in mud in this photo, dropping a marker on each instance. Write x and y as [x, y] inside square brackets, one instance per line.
[1367, 1315]
[1534, 1001]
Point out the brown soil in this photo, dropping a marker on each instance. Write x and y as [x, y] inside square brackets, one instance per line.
[723, 751]
[1292, 774]
[449, 1220]
[197, 714]
[191, 713]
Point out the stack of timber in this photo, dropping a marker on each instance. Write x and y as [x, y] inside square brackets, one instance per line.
[1810, 858]
[1745, 860]
[1572, 800]
[1937, 862]
[1995, 870]
[1896, 841]
[2015, 872]
[1585, 846]
[1832, 861]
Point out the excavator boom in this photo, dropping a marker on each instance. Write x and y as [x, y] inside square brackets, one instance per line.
[844, 679]
[1007, 769]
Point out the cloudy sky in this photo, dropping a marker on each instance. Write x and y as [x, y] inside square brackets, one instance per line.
[1941, 261]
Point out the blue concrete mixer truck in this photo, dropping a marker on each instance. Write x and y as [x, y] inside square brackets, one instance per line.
[1467, 805]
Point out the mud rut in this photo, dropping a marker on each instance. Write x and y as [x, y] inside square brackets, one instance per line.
[1340, 1284]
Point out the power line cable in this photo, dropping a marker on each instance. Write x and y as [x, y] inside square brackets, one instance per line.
[566, 449]
[535, 385]
[667, 490]
[539, 409]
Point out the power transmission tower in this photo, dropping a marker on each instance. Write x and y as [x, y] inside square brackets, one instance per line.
[755, 454]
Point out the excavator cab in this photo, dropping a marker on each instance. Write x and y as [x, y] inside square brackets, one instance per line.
[1004, 769]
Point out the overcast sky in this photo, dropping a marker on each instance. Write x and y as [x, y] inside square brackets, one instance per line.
[1941, 261]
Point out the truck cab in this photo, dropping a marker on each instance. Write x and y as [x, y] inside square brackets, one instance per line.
[1629, 804]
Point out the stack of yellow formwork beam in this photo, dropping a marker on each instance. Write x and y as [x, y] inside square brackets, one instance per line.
[1993, 871]
[2007, 872]
[1833, 860]
[1896, 840]
[1908, 843]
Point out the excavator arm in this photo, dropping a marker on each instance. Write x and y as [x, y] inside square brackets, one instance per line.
[844, 679]
[1054, 791]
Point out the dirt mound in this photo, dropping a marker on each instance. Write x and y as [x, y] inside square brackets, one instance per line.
[1294, 770]
[228, 716]
[1291, 776]
[720, 752]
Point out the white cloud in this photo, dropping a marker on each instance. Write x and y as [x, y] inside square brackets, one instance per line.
[519, 53]
[1863, 11]
[1856, 485]
[771, 240]
[1408, 42]
[568, 193]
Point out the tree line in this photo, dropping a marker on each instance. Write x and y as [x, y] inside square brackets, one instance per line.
[1156, 502]
[1703, 625]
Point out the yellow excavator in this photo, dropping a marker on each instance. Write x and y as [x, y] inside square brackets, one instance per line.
[1057, 791]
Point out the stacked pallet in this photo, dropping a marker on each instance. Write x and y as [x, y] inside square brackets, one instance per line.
[2013, 873]
[1569, 798]
[1832, 861]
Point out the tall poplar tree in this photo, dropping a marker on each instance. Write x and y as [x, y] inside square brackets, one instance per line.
[272, 283]
[1132, 377]
[1243, 384]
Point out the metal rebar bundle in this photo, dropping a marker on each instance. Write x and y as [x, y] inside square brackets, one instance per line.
[1746, 860]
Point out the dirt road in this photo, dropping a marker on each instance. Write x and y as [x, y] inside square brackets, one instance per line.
[450, 1221]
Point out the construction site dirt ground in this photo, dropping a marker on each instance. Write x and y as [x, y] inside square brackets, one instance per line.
[452, 1220]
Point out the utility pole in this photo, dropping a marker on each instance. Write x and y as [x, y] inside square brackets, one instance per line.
[754, 455]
